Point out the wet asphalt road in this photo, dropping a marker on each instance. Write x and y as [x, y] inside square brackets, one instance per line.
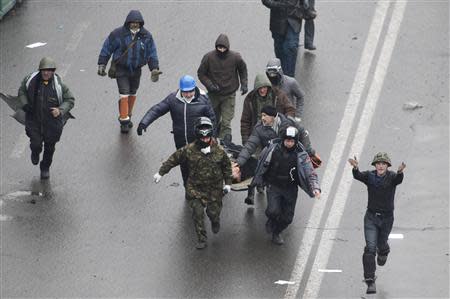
[101, 228]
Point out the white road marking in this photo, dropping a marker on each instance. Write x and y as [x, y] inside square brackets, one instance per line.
[75, 39]
[17, 194]
[330, 270]
[77, 35]
[337, 210]
[283, 282]
[396, 236]
[35, 45]
[338, 146]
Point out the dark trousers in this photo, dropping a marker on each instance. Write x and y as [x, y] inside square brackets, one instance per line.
[45, 137]
[281, 206]
[49, 150]
[286, 49]
[377, 227]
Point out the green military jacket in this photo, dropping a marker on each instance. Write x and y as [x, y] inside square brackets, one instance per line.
[207, 173]
[65, 98]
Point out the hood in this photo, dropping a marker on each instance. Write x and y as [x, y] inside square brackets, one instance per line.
[198, 92]
[134, 15]
[222, 40]
[261, 80]
[274, 64]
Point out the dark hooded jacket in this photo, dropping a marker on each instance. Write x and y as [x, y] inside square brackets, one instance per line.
[289, 86]
[142, 52]
[284, 13]
[225, 70]
[261, 135]
[183, 114]
[251, 113]
[307, 178]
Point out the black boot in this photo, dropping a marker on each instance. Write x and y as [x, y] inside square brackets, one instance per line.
[382, 256]
[250, 199]
[371, 287]
[45, 173]
[227, 140]
[277, 239]
[215, 227]
[381, 259]
[260, 189]
[35, 157]
[201, 245]
[125, 126]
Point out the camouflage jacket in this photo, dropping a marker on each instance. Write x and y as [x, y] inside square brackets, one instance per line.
[207, 173]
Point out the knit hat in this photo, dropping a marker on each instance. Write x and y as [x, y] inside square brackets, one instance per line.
[269, 110]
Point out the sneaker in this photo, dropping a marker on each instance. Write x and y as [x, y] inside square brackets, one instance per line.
[371, 287]
[35, 158]
[201, 245]
[310, 47]
[215, 227]
[381, 259]
[277, 239]
[130, 124]
[45, 174]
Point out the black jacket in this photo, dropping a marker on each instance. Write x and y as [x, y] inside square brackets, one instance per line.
[307, 177]
[284, 13]
[381, 190]
[183, 114]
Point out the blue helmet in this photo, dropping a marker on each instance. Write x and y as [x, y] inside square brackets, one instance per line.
[187, 83]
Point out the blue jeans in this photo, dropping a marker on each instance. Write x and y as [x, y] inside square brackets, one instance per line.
[309, 27]
[286, 49]
[309, 32]
[377, 228]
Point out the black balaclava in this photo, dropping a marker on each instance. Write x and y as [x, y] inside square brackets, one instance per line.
[275, 80]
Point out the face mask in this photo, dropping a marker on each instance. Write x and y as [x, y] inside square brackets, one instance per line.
[134, 31]
[206, 150]
[275, 80]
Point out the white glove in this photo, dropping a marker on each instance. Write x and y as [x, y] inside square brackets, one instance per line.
[206, 150]
[157, 177]
[226, 189]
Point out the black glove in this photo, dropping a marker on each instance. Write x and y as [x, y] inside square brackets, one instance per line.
[101, 70]
[27, 108]
[244, 90]
[213, 88]
[141, 128]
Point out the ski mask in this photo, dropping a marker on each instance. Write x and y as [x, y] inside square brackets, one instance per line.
[222, 53]
[274, 78]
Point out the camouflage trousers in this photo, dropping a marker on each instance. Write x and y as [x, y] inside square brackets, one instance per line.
[213, 209]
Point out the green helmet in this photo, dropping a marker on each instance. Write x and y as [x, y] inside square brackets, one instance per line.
[381, 157]
[47, 63]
